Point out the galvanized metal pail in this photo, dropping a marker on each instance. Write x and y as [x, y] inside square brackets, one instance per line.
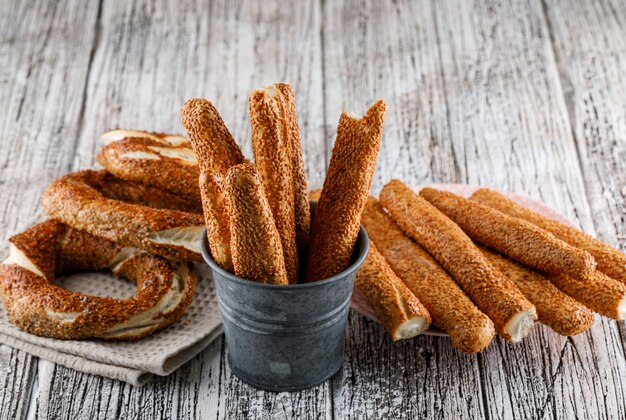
[285, 337]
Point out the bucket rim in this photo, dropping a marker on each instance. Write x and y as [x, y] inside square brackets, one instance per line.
[362, 245]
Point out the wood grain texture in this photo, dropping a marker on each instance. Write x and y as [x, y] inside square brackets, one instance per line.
[17, 375]
[42, 99]
[591, 65]
[389, 50]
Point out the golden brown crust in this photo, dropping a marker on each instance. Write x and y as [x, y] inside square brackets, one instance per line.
[302, 209]
[255, 243]
[75, 200]
[555, 309]
[214, 146]
[451, 310]
[35, 304]
[164, 138]
[493, 293]
[216, 151]
[609, 260]
[272, 145]
[598, 292]
[152, 163]
[337, 218]
[135, 193]
[314, 195]
[215, 201]
[393, 303]
[519, 240]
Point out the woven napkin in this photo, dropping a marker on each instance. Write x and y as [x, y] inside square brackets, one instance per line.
[135, 362]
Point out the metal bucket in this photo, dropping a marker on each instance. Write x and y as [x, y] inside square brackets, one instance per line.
[285, 337]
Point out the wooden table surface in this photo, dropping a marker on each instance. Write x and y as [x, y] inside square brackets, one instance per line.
[527, 96]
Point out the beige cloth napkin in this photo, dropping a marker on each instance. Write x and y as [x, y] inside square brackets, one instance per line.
[135, 362]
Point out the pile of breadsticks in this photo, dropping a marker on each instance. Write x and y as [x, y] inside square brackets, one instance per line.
[471, 267]
[257, 215]
[483, 265]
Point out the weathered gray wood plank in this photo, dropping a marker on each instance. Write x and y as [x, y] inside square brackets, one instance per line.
[43, 77]
[591, 68]
[189, 393]
[16, 380]
[149, 58]
[389, 50]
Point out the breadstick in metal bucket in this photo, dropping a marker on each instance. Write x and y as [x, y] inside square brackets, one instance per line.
[270, 119]
[216, 151]
[337, 218]
[255, 243]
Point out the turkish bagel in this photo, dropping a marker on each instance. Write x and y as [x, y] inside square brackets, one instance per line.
[152, 162]
[85, 200]
[35, 304]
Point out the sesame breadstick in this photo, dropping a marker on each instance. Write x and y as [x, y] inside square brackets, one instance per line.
[255, 243]
[214, 146]
[336, 222]
[395, 306]
[314, 195]
[609, 260]
[216, 217]
[451, 310]
[598, 292]
[518, 239]
[494, 294]
[273, 149]
[554, 308]
[301, 200]
[216, 151]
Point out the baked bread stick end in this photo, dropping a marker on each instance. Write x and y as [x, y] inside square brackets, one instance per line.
[520, 324]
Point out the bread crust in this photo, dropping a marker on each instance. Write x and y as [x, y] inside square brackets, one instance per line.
[598, 292]
[302, 208]
[451, 310]
[163, 138]
[214, 146]
[272, 121]
[609, 260]
[35, 304]
[74, 199]
[555, 309]
[255, 242]
[518, 239]
[150, 162]
[216, 205]
[216, 152]
[335, 226]
[489, 289]
[394, 304]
